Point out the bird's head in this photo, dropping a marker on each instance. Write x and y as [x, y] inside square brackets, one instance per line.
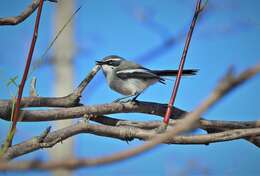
[109, 63]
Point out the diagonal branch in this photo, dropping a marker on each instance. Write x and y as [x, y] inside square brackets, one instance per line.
[15, 115]
[27, 67]
[70, 100]
[25, 14]
[198, 9]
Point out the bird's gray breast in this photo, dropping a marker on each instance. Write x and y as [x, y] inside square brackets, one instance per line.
[130, 86]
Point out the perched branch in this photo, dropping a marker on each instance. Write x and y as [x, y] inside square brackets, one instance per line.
[91, 111]
[25, 14]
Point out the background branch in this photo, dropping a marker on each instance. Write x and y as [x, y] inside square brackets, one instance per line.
[25, 14]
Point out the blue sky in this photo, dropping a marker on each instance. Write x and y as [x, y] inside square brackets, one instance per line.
[228, 34]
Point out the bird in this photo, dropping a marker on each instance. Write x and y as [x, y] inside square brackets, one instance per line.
[131, 79]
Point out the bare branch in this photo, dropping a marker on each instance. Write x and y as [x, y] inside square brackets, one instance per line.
[95, 110]
[48, 139]
[33, 92]
[207, 125]
[15, 115]
[70, 100]
[108, 131]
[25, 14]
[78, 91]
[139, 130]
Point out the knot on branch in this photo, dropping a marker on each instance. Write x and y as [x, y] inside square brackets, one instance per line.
[128, 134]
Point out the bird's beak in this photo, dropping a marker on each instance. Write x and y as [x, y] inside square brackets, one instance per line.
[100, 62]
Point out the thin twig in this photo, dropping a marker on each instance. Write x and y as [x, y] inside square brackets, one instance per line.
[39, 62]
[33, 92]
[78, 91]
[70, 100]
[22, 84]
[27, 66]
[181, 65]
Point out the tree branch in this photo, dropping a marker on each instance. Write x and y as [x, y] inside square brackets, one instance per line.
[70, 100]
[118, 130]
[25, 14]
[47, 139]
[187, 123]
[91, 111]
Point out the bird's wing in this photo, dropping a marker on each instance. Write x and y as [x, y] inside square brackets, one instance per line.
[139, 73]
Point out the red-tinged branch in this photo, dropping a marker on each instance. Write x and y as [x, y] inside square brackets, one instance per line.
[27, 66]
[184, 54]
[15, 115]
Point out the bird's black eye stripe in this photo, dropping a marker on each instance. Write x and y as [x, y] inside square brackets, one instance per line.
[113, 63]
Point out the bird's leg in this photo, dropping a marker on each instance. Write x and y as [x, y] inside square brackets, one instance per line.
[135, 96]
[133, 99]
[122, 98]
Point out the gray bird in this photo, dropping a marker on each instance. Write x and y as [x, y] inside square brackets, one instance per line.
[131, 79]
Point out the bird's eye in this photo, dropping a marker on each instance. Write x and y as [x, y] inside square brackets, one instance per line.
[113, 63]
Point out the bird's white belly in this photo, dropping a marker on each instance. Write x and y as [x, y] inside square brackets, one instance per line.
[130, 86]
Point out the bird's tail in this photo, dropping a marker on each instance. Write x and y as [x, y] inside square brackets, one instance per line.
[186, 72]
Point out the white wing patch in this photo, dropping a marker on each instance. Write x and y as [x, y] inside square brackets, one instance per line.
[136, 73]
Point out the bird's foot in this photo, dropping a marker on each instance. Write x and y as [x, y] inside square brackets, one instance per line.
[123, 100]
[116, 100]
[120, 100]
[134, 101]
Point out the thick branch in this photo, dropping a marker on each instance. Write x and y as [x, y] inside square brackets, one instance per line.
[116, 129]
[95, 110]
[207, 125]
